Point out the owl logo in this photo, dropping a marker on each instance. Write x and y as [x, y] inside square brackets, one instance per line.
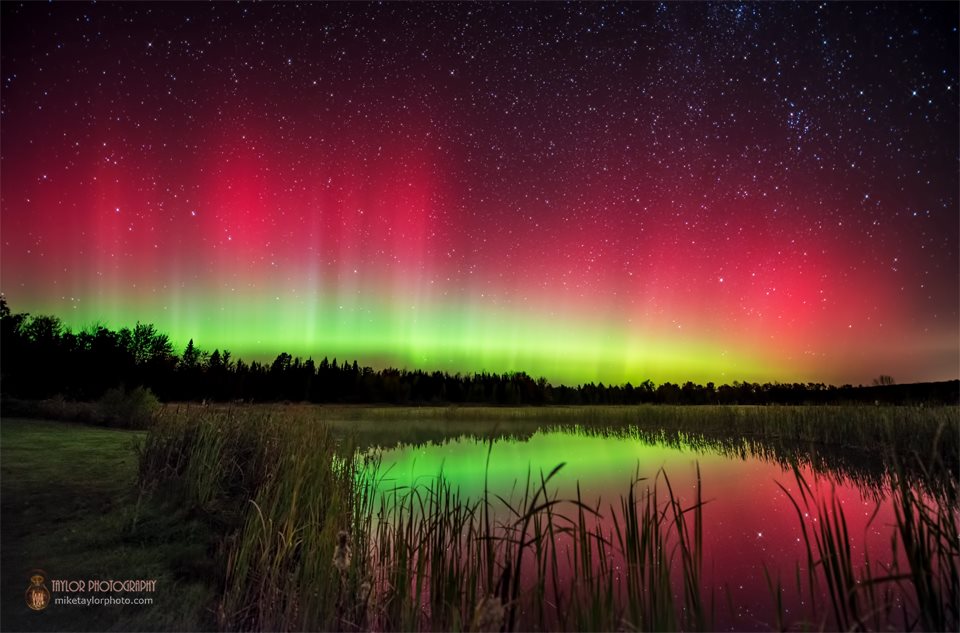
[37, 594]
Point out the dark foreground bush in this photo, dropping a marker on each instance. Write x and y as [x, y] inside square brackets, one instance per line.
[118, 407]
[132, 409]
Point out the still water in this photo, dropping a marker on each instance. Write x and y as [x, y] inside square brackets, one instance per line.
[752, 531]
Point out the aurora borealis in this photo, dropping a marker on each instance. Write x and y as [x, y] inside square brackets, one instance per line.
[595, 192]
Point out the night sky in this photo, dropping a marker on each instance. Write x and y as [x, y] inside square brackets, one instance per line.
[585, 192]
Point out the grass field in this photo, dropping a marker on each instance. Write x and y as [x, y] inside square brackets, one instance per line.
[71, 506]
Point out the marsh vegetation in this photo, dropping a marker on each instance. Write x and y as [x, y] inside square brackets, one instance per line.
[325, 524]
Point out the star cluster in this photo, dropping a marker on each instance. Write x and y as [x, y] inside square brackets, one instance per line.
[584, 191]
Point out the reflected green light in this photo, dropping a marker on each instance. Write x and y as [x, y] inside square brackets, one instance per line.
[604, 466]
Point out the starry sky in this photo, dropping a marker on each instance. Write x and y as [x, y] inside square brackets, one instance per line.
[588, 192]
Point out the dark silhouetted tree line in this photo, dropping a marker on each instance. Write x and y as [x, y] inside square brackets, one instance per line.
[40, 357]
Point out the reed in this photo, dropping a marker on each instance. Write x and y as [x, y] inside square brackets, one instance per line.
[315, 538]
[921, 582]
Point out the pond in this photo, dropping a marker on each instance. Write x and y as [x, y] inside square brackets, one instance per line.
[760, 513]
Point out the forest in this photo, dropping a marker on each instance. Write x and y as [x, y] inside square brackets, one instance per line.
[40, 357]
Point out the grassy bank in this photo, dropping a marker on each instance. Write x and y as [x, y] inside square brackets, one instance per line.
[912, 428]
[71, 506]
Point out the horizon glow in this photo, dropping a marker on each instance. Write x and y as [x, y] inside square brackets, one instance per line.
[353, 182]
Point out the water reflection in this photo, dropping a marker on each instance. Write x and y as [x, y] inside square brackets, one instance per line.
[868, 467]
[754, 546]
